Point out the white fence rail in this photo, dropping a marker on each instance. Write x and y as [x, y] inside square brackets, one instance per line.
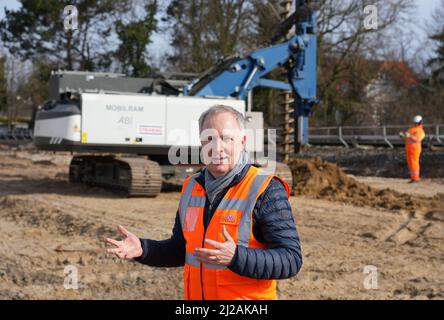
[17, 134]
[370, 135]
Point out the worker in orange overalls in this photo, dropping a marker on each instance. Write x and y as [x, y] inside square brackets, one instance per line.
[412, 139]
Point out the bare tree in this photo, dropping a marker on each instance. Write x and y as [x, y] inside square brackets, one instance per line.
[345, 44]
[206, 31]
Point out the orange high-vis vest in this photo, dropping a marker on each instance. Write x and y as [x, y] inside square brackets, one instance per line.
[235, 212]
[413, 150]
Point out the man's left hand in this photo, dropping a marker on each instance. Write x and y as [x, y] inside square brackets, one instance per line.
[222, 254]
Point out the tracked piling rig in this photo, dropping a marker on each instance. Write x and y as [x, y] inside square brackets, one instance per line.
[125, 131]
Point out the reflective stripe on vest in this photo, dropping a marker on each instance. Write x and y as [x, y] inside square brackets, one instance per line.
[244, 205]
[191, 260]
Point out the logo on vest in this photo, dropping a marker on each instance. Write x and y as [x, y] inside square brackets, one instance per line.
[229, 217]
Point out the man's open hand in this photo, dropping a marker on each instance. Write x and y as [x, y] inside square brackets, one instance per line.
[222, 254]
[128, 248]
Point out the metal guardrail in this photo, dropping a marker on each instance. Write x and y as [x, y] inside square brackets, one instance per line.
[16, 135]
[340, 135]
[370, 135]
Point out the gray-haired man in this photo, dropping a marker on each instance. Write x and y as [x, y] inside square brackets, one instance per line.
[234, 231]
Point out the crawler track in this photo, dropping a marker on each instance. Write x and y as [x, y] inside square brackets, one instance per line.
[133, 176]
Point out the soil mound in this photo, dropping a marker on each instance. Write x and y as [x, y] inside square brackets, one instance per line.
[321, 179]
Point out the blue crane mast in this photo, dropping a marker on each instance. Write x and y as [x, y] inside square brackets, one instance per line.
[237, 76]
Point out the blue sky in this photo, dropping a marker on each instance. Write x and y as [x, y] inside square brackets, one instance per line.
[160, 45]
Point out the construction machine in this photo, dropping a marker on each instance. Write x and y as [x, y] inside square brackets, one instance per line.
[125, 131]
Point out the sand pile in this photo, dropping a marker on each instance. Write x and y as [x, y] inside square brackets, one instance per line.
[321, 179]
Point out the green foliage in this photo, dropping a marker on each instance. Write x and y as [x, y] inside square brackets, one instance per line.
[134, 37]
[37, 31]
[37, 86]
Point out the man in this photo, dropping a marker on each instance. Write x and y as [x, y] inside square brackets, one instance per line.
[234, 231]
[412, 139]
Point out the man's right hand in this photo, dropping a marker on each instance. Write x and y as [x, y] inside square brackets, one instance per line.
[128, 248]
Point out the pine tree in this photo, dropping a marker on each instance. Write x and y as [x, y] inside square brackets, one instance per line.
[134, 37]
[38, 30]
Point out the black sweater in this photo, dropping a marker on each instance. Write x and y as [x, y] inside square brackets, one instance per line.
[273, 224]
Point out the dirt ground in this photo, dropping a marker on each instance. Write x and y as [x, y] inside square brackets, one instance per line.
[46, 224]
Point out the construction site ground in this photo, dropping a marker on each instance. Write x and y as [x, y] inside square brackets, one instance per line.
[345, 223]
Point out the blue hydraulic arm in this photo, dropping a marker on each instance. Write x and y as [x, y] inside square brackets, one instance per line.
[236, 76]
